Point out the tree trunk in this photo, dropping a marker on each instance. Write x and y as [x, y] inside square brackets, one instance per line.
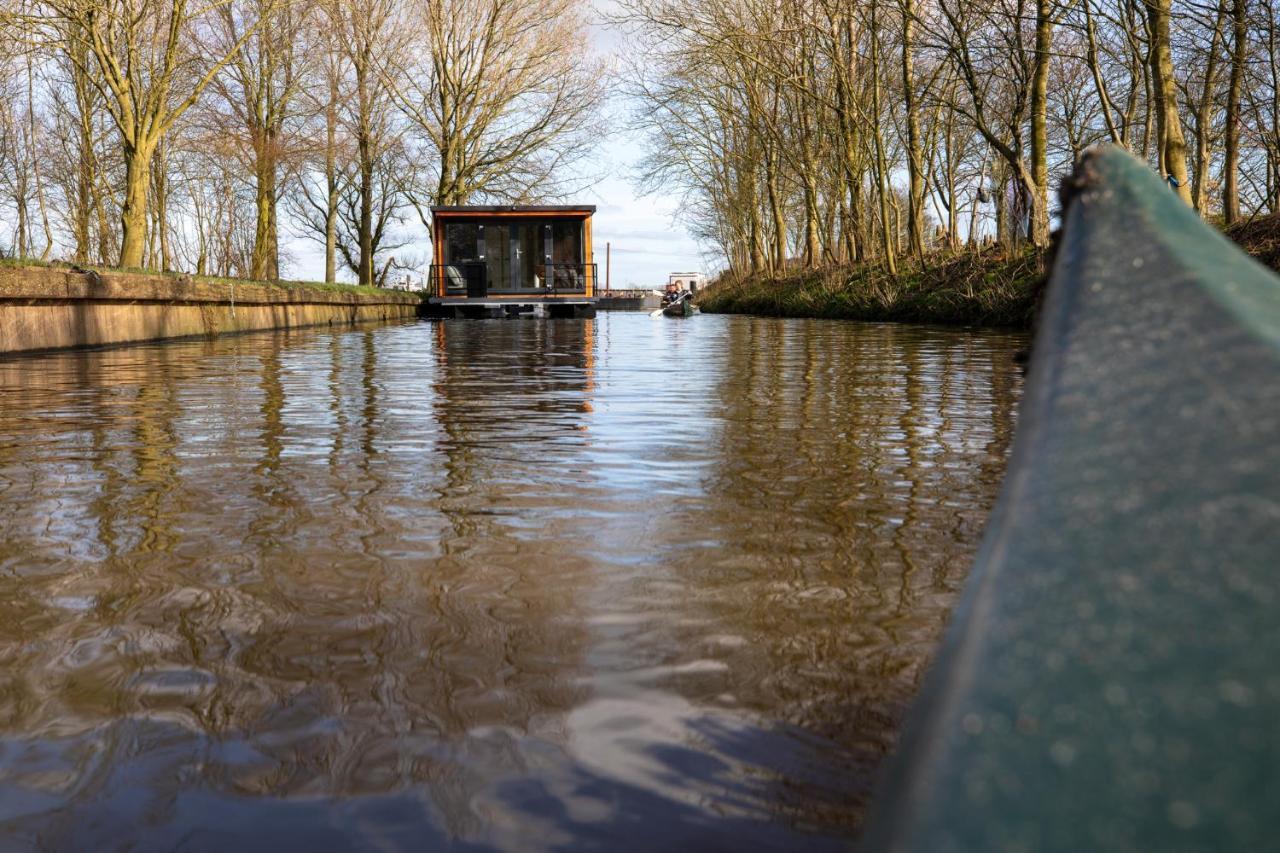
[35, 163]
[264, 264]
[915, 157]
[882, 176]
[20, 203]
[753, 224]
[855, 214]
[1272, 52]
[364, 143]
[1095, 69]
[1152, 96]
[133, 213]
[1172, 144]
[779, 221]
[847, 242]
[331, 184]
[1001, 195]
[85, 191]
[1204, 117]
[82, 215]
[1039, 191]
[812, 245]
[365, 273]
[846, 76]
[106, 244]
[1231, 166]
[160, 203]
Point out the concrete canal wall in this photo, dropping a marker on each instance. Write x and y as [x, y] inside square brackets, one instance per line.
[629, 300]
[45, 308]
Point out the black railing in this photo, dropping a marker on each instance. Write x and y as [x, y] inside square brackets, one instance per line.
[568, 278]
[471, 279]
[467, 278]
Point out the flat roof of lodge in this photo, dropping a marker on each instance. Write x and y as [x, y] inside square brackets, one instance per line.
[514, 208]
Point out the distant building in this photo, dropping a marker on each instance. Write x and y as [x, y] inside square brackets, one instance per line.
[405, 283]
[691, 281]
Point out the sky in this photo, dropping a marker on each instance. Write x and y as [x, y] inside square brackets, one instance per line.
[647, 243]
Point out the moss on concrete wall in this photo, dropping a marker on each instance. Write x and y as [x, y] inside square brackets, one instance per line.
[56, 308]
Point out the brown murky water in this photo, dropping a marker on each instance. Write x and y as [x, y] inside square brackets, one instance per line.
[622, 583]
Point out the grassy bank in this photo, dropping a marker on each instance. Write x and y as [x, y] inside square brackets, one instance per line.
[987, 288]
[202, 279]
[1260, 237]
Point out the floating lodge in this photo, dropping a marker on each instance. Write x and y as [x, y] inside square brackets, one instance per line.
[498, 260]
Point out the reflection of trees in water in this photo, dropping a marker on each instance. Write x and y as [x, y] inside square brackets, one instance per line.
[276, 569]
[416, 657]
[336, 410]
[856, 467]
[104, 479]
[89, 460]
[281, 593]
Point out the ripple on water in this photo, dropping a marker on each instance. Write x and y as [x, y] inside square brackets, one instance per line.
[617, 583]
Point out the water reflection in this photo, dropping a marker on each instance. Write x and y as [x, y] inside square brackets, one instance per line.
[806, 564]
[614, 583]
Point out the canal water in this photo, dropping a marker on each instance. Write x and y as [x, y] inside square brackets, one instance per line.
[622, 583]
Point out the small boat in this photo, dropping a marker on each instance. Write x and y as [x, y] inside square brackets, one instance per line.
[680, 306]
[683, 308]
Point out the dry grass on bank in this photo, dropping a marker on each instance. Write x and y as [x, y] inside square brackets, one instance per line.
[991, 287]
[18, 263]
[1259, 237]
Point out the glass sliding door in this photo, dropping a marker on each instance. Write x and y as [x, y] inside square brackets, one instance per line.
[463, 253]
[497, 256]
[526, 256]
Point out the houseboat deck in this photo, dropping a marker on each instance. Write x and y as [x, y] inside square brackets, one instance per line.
[461, 307]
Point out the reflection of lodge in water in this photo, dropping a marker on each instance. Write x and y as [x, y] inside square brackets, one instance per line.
[500, 260]
[485, 397]
[410, 639]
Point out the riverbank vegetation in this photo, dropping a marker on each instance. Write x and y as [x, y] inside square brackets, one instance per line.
[200, 137]
[20, 264]
[895, 135]
[991, 287]
[1260, 237]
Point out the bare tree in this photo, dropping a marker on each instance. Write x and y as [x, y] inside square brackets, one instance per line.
[260, 90]
[503, 95]
[150, 64]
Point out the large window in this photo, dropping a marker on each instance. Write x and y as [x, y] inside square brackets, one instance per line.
[462, 242]
[514, 255]
[566, 242]
[463, 257]
[566, 255]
